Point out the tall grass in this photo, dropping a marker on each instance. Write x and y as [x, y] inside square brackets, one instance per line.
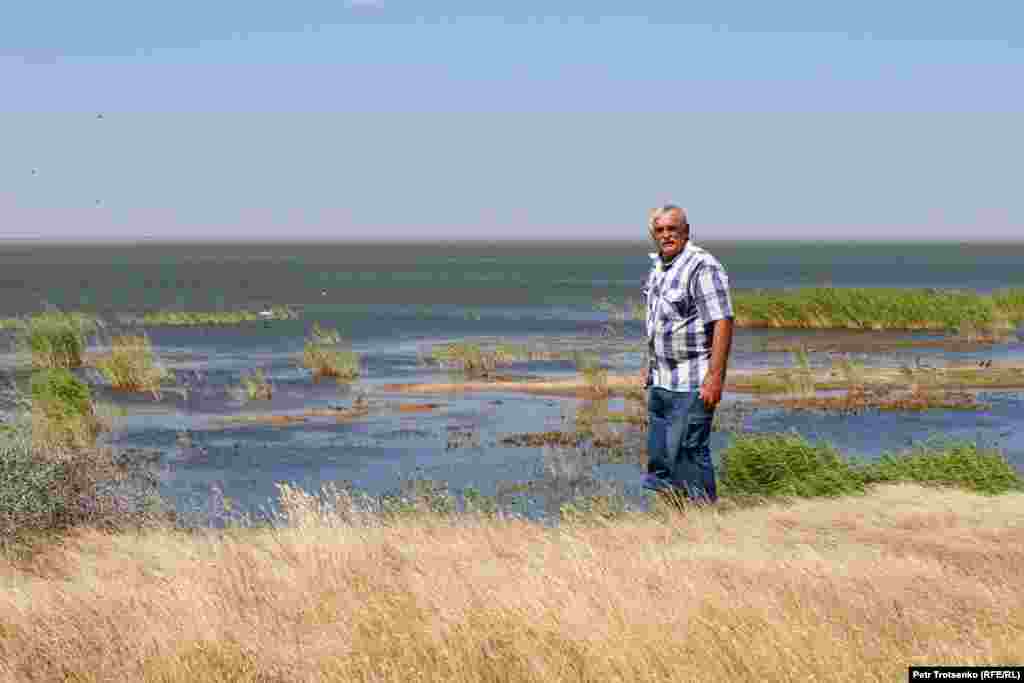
[131, 366]
[56, 339]
[826, 590]
[881, 308]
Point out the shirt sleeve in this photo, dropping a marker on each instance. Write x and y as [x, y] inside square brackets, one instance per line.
[711, 293]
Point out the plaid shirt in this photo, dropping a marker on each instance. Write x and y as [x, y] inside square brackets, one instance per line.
[684, 297]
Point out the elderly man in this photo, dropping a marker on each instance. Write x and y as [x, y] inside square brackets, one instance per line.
[689, 335]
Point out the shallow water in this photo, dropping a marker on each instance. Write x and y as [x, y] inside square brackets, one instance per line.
[384, 303]
[377, 453]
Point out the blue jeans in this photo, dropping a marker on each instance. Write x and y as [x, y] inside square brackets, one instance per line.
[678, 445]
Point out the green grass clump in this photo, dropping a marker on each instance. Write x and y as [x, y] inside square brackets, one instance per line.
[325, 336]
[764, 466]
[786, 465]
[327, 362]
[57, 340]
[188, 318]
[321, 356]
[63, 416]
[1010, 302]
[256, 386]
[876, 309]
[130, 365]
[949, 463]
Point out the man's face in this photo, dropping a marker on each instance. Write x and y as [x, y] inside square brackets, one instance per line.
[670, 235]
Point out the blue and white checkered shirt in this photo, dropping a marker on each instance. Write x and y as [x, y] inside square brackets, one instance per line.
[684, 298]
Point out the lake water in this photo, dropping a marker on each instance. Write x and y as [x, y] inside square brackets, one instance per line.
[393, 301]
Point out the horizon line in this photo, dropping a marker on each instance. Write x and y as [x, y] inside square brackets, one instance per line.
[462, 241]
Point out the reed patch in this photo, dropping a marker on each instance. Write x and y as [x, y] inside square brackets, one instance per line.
[56, 339]
[321, 356]
[211, 318]
[131, 365]
[878, 309]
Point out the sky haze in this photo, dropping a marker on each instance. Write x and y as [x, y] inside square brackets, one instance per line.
[377, 121]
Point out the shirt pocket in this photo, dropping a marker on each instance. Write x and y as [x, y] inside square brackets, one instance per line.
[676, 304]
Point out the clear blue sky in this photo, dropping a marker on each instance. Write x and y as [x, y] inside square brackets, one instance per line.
[412, 120]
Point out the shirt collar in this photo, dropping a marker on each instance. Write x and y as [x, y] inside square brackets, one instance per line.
[662, 267]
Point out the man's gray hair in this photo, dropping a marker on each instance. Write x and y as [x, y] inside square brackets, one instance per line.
[656, 213]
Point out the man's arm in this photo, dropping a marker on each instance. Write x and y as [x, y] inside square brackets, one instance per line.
[714, 381]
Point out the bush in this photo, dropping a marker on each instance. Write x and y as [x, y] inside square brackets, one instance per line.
[45, 491]
[63, 415]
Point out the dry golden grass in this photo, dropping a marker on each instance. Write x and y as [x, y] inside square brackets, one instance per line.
[824, 590]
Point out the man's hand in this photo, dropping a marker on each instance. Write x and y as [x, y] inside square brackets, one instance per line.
[645, 372]
[711, 390]
[711, 387]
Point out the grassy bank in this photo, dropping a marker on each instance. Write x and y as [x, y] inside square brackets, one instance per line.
[881, 309]
[825, 589]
